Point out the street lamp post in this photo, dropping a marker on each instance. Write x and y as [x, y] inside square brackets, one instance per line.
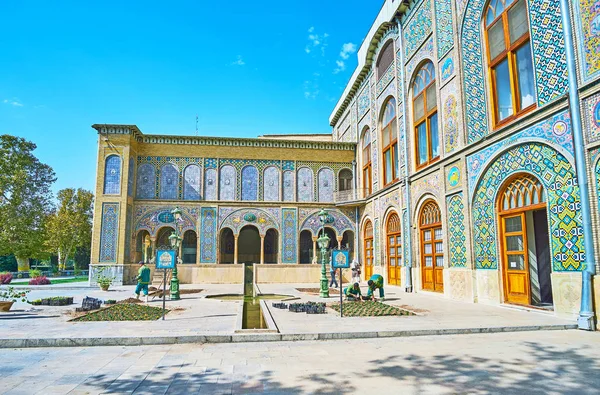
[175, 241]
[323, 244]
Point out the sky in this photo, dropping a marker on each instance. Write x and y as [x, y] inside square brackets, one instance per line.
[244, 68]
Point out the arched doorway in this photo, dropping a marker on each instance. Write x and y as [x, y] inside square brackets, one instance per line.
[345, 180]
[348, 243]
[227, 246]
[249, 245]
[271, 246]
[432, 247]
[525, 242]
[368, 249]
[162, 240]
[143, 247]
[189, 247]
[306, 247]
[394, 252]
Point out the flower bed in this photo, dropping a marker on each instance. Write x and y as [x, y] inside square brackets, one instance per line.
[368, 309]
[55, 301]
[124, 312]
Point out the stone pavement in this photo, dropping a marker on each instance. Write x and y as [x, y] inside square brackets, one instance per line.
[512, 363]
[195, 316]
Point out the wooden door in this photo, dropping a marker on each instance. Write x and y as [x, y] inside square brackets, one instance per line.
[515, 259]
[368, 248]
[394, 253]
[432, 248]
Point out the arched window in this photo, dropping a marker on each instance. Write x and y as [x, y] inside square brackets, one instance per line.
[227, 182]
[368, 248]
[386, 57]
[345, 180]
[510, 61]
[425, 115]
[146, 182]
[112, 175]
[367, 173]
[326, 181]
[249, 183]
[288, 186]
[130, 180]
[389, 142]
[271, 184]
[210, 184]
[169, 182]
[191, 182]
[305, 185]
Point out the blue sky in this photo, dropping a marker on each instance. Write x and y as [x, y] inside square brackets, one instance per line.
[246, 68]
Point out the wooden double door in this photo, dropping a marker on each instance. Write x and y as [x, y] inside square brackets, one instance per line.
[432, 248]
[394, 250]
[368, 250]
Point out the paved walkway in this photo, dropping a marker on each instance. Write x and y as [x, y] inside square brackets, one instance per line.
[195, 315]
[558, 362]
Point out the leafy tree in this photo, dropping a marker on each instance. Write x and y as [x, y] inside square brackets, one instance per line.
[82, 257]
[8, 263]
[70, 226]
[25, 199]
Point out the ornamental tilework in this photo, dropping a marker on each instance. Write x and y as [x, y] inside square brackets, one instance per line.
[249, 183]
[444, 27]
[152, 218]
[588, 26]
[130, 176]
[451, 120]
[208, 235]
[271, 184]
[112, 175]
[390, 91]
[210, 184]
[430, 184]
[564, 207]
[391, 199]
[227, 183]
[146, 182]
[405, 239]
[364, 101]
[288, 186]
[548, 50]
[426, 52]
[305, 185]
[456, 231]
[128, 234]
[556, 130]
[326, 184]
[385, 80]
[447, 70]
[290, 235]
[259, 218]
[591, 108]
[169, 181]
[598, 181]
[417, 29]
[340, 224]
[210, 163]
[109, 232]
[376, 244]
[288, 165]
[454, 175]
[191, 182]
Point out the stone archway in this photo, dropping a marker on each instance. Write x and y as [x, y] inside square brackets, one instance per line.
[249, 245]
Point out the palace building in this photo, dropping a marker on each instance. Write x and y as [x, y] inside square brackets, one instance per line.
[451, 167]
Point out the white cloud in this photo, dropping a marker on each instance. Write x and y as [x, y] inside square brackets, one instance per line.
[13, 102]
[347, 50]
[239, 61]
[311, 29]
[315, 41]
[341, 66]
[311, 89]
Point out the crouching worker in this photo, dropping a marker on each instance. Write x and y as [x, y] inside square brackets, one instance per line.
[143, 279]
[352, 292]
[375, 282]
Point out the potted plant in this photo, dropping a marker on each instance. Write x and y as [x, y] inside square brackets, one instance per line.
[104, 281]
[9, 296]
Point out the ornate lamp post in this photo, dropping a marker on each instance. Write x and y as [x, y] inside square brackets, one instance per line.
[323, 244]
[175, 241]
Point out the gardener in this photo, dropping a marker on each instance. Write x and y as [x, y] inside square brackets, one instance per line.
[332, 272]
[143, 279]
[375, 282]
[355, 271]
[353, 292]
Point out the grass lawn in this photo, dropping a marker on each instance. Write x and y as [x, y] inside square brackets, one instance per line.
[78, 279]
[368, 309]
[124, 312]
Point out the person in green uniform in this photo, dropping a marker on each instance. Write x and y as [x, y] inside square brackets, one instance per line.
[375, 282]
[143, 279]
[353, 292]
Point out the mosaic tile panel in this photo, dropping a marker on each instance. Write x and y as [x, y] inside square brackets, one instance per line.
[130, 176]
[261, 219]
[169, 180]
[290, 235]
[227, 181]
[591, 108]
[340, 224]
[208, 235]
[385, 80]
[288, 165]
[376, 244]
[444, 28]
[429, 184]
[549, 54]
[271, 184]
[153, 217]
[210, 184]
[406, 253]
[556, 130]
[109, 233]
[288, 186]
[417, 29]
[128, 234]
[457, 240]
[598, 181]
[146, 182]
[364, 101]
[450, 118]
[305, 185]
[192, 182]
[210, 163]
[112, 175]
[426, 52]
[454, 175]
[326, 185]
[249, 183]
[587, 19]
[563, 197]
[447, 69]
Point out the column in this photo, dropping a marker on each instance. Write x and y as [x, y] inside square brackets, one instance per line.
[198, 247]
[235, 249]
[314, 260]
[153, 252]
[262, 249]
[339, 242]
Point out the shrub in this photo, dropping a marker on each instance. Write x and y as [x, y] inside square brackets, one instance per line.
[5, 278]
[40, 280]
[13, 295]
[33, 273]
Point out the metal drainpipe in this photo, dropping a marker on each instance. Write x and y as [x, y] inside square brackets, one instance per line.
[586, 313]
[355, 194]
[408, 250]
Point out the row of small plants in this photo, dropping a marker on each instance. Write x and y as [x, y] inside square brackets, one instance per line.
[54, 301]
[124, 312]
[369, 309]
[36, 278]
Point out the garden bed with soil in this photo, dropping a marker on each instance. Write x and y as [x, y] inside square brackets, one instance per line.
[124, 312]
[368, 309]
[317, 291]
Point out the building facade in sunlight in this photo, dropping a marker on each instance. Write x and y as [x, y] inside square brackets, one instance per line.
[450, 169]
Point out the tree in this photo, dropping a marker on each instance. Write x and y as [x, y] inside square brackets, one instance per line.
[70, 226]
[25, 199]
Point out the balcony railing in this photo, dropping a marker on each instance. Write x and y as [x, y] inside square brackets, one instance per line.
[350, 196]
